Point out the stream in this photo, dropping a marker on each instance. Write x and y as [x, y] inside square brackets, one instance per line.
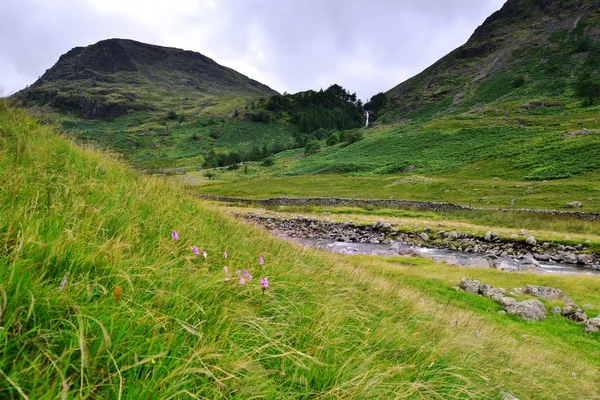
[455, 257]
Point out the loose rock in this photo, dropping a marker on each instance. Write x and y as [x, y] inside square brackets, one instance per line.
[592, 325]
[531, 310]
[470, 286]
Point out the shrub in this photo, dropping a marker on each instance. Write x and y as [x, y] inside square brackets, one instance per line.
[312, 147]
[268, 161]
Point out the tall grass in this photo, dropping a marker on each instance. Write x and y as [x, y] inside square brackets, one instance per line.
[98, 301]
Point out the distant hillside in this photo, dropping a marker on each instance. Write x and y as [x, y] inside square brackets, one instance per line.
[526, 50]
[116, 76]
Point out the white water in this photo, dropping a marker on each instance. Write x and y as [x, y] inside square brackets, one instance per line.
[367, 124]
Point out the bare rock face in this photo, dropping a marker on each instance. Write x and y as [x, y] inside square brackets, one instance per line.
[531, 310]
[470, 286]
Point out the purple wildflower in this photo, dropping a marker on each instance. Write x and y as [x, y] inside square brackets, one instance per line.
[63, 282]
[250, 277]
[242, 281]
[204, 254]
[261, 260]
[238, 272]
[225, 255]
[227, 279]
[264, 282]
[246, 273]
[174, 235]
[195, 250]
[225, 269]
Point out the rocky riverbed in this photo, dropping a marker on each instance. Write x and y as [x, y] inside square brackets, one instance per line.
[521, 253]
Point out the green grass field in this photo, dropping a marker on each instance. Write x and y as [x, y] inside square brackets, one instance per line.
[98, 301]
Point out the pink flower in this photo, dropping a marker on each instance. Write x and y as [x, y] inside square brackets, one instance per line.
[225, 269]
[204, 254]
[261, 260]
[227, 279]
[225, 255]
[250, 277]
[246, 273]
[264, 282]
[242, 281]
[174, 235]
[238, 272]
[195, 250]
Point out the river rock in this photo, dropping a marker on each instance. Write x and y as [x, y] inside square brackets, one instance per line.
[531, 241]
[470, 286]
[570, 258]
[585, 259]
[453, 235]
[452, 260]
[480, 262]
[531, 310]
[424, 236]
[545, 257]
[573, 312]
[592, 325]
[490, 236]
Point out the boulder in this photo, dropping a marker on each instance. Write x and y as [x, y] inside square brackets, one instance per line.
[592, 325]
[573, 312]
[453, 235]
[490, 236]
[470, 286]
[531, 241]
[531, 310]
[424, 237]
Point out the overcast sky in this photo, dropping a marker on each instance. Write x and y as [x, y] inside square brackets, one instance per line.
[290, 45]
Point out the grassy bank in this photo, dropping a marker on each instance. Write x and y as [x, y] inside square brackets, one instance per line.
[98, 301]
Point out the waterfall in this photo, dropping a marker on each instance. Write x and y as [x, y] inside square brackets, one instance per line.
[367, 124]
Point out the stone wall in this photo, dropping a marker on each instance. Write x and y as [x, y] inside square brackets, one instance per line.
[422, 205]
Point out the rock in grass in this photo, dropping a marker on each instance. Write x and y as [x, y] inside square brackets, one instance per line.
[531, 241]
[574, 204]
[531, 310]
[592, 325]
[546, 293]
[424, 236]
[556, 310]
[488, 291]
[523, 232]
[507, 396]
[574, 313]
[470, 286]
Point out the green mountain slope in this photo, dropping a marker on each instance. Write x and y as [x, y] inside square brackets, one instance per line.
[528, 49]
[116, 76]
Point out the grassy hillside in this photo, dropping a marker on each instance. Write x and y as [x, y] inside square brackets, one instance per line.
[98, 301]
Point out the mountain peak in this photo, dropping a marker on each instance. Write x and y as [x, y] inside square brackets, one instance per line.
[115, 76]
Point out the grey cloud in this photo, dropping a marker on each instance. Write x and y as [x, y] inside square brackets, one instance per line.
[304, 44]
